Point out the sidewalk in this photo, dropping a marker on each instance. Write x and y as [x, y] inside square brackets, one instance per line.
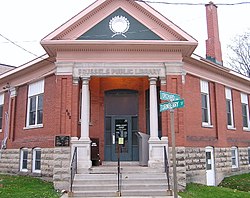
[66, 196]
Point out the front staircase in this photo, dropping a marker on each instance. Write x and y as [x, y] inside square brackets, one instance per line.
[135, 180]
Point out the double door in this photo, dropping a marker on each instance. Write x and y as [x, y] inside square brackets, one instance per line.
[120, 132]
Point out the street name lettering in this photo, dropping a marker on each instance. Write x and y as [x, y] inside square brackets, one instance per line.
[171, 105]
[169, 96]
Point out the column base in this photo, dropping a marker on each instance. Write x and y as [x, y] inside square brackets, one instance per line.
[156, 152]
[83, 153]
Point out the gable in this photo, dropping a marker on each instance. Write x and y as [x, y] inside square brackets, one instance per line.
[107, 23]
[119, 26]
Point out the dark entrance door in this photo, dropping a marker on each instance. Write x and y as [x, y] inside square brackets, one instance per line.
[121, 121]
[121, 128]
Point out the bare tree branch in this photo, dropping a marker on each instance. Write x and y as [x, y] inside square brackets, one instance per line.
[239, 53]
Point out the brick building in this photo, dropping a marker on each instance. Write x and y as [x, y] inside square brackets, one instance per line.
[102, 73]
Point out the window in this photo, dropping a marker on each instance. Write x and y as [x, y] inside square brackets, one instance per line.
[235, 162]
[24, 160]
[205, 103]
[245, 112]
[248, 155]
[35, 104]
[1, 111]
[36, 166]
[229, 108]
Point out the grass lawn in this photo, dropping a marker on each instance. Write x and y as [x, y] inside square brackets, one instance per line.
[239, 182]
[231, 187]
[25, 187]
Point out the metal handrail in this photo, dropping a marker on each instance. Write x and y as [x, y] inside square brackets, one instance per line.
[73, 168]
[166, 166]
[118, 172]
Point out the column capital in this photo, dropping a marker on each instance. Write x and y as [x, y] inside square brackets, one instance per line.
[163, 80]
[75, 81]
[85, 80]
[152, 80]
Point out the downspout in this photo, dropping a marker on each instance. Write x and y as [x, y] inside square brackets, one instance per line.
[7, 122]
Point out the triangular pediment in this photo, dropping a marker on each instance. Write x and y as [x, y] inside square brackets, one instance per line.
[117, 20]
[119, 26]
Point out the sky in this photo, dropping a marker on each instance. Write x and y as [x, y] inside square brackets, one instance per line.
[26, 22]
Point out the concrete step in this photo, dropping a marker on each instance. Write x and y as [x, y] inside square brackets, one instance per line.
[124, 176]
[94, 193]
[110, 169]
[145, 192]
[135, 181]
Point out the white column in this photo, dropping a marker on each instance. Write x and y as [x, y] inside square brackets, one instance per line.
[156, 146]
[85, 110]
[153, 110]
[83, 144]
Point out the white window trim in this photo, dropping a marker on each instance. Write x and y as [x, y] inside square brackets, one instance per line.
[1, 104]
[205, 90]
[244, 100]
[248, 155]
[34, 161]
[21, 160]
[228, 93]
[236, 157]
[36, 93]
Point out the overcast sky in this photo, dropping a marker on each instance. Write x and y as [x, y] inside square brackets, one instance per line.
[26, 22]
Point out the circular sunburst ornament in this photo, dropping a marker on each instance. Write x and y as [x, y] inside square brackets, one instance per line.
[119, 25]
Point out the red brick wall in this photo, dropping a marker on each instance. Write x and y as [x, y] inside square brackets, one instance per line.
[218, 135]
[37, 137]
[61, 112]
[175, 85]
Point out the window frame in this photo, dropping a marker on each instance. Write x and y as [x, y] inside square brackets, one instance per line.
[1, 114]
[230, 111]
[34, 160]
[21, 168]
[244, 104]
[248, 154]
[204, 88]
[235, 157]
[35, 92]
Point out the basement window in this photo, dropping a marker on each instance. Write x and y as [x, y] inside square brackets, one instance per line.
[36, 165]
[24, 160]
[248, 151]
[235, 159]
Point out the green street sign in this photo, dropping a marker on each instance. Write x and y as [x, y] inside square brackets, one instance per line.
[169, 96]
[172, 105]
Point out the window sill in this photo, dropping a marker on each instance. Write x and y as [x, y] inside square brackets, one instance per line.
[235, 168]
[231, 128]
[205, 125]
[33, 127]
[36, 172]
[24, 170]
[246, 129]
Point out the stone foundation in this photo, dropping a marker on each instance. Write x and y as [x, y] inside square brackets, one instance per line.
[180, 167]
[55, 165]
[196, 164]
[61, 171]
[191, 164]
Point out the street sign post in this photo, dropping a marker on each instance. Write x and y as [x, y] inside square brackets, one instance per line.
[169, 96]
[173, 101]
